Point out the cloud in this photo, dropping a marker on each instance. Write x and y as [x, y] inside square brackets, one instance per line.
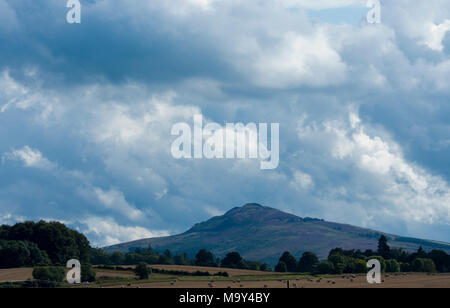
[302, 180]
[397, 187]
[363, 112]
[106, 231]
[297, 61]
[31, 158]
[324, 4]
[115, 200]
[436, 33]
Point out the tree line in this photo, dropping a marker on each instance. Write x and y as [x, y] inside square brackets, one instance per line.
[203, 258]
[42, 243]
[52, 244]
[342, 261]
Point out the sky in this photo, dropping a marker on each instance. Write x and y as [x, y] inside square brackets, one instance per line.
[86, 112]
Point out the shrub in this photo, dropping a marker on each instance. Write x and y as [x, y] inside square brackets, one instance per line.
[423, 265]
[360, 266]
[405, 267]
[49, 276]
[87, 273]
[392, 266]
[142, 271]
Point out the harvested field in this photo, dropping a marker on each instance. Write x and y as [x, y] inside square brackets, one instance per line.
[192, 269]
[400, 281]
[15, 274]
[114, 274]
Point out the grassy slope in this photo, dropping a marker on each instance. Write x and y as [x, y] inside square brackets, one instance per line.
[262, 233]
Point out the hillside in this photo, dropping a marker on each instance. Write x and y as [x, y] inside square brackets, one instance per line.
[263, 233]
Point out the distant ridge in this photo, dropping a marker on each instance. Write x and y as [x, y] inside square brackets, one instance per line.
[264, 233]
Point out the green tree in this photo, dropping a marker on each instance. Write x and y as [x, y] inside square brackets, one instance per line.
[100, 257]
[423, 265]
[204, 258]
[441, 259]
[289, 260]
[87, 273]
[383, 247]
[181, 259]
[21, 253]
[59, 242]
[281, 267]
[165, 260]
[49, 276]
[142, 271]
[339, 262]
[308, 263]
[231, 260]
[392, 266]
[360, 266]
[405, 267]
[325, 267]
[117, 258]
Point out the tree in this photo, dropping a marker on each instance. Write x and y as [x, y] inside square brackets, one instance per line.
[181, 259]
[441, 259]
[21, 253]
[168, 254]
[392, 266]
[325, 267]
[142, 271]
[59, 242]
[49, 276]
[281, 267]
[405, 267]
[204, 258]
[231, 260]
[418, 265]
[339, 262]
[100, 257]
[383, 247]
[117, 258]
[308, 263]
[87, 273]
[360, 266]
[423, 265]
[165, 260]
[264, 267]
[289, 261]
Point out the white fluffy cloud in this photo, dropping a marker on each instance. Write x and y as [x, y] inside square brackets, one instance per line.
[395, 186]
[109, 232]
[297, 61]
[30, 158]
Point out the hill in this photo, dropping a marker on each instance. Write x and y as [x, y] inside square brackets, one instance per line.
[264, 233]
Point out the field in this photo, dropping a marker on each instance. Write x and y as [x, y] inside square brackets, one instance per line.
[243, 279]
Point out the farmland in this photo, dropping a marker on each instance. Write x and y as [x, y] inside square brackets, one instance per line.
[125, 278]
